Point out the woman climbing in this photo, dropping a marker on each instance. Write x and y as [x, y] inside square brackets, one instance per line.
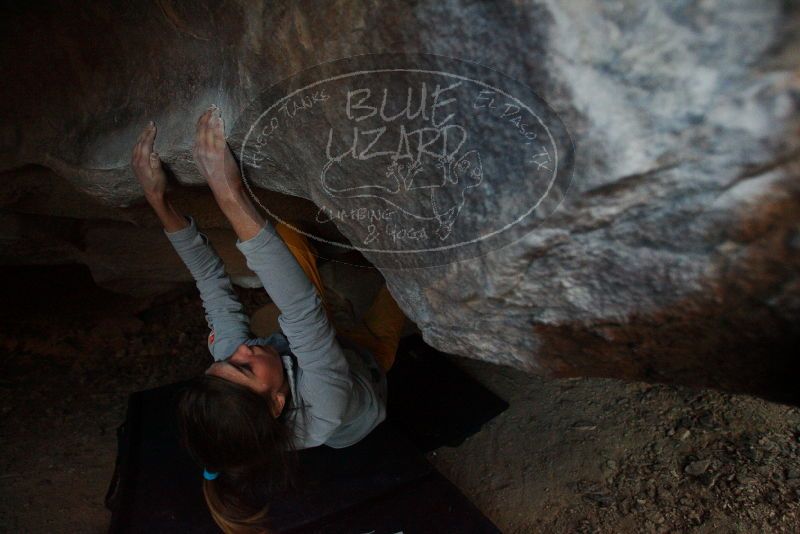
[264, 398]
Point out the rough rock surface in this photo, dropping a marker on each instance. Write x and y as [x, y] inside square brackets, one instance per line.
[673, 256]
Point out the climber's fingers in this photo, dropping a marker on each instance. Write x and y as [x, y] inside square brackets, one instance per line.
[203, 120]
[210, 150]
[198, 134]
[137, 149]
[141, 150]
[202, 137]
[200, 121]
[155, 161]
[218, 132]
[144, 143]
[209, 132]
[149, 138]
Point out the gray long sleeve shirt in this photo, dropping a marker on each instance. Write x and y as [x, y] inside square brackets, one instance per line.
[338, 390]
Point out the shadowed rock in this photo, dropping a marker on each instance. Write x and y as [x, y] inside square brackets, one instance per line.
[672, 256]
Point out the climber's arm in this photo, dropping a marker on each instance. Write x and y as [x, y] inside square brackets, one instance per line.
[215, 162]
[224, 313]
[150, 173]
[303, 319]
[170, 217]
[325, 383]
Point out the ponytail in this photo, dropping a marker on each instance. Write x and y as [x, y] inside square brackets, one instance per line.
[229, 517]
[229, 429]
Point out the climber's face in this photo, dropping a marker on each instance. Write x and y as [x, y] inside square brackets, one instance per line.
[257, 367]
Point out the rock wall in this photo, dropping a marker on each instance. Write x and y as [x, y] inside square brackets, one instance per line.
[673, 256]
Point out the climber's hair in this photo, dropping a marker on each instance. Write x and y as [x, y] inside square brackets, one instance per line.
[228, 428]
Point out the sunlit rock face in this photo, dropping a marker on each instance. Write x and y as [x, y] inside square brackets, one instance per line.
[667, 249]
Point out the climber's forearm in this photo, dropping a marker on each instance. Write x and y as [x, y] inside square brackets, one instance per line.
[224, 313]
[170, 217]
[241, 213]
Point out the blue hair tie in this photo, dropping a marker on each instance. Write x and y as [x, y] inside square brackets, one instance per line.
[209, 475]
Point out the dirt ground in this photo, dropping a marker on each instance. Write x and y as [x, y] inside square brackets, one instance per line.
[581, 455]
